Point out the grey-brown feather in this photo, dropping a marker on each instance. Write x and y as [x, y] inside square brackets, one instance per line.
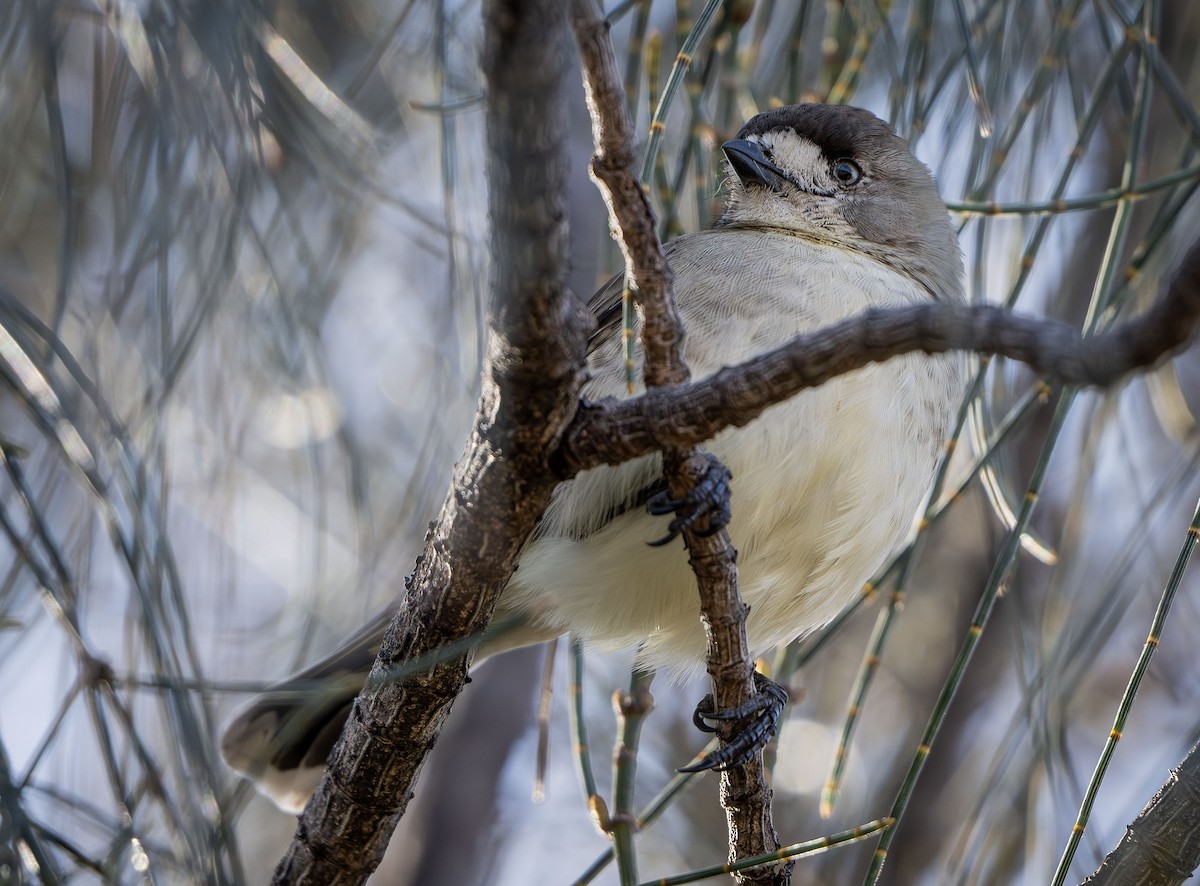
[823, 486]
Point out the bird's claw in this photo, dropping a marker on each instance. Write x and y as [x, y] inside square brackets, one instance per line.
[760, 716]
[706, 503]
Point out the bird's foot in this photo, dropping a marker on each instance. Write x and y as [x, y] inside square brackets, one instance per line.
[704, 509]
[759, 716]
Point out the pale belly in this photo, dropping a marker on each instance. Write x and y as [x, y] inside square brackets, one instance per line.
[825, 486]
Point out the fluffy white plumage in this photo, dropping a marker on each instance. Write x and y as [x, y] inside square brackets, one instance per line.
[824, 485]
[829, 214]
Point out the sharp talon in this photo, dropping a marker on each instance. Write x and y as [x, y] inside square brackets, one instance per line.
[760, 716]
[703, 711]
[705, 505]
[660, 504]
[666, 539]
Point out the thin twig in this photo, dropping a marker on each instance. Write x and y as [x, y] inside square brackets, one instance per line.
[613, 432]
[745, 794]
[1160, 847]
[1176, 855]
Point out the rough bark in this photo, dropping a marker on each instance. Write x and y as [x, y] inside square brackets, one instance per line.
[615, 431]
[1162, 846]
[744, 791]
[536, 357]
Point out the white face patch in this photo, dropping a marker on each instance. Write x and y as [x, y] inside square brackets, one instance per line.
[811, 208]
[802, 159]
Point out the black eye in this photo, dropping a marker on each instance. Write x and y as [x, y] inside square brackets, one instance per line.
[847, 172]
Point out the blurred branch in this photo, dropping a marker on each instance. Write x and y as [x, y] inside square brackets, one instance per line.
[615, 431]
[501, 485]
[744, 791]
[1162, 846]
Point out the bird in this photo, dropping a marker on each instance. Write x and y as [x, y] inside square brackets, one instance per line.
[828, 214]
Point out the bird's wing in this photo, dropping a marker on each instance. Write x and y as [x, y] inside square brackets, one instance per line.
[605, 306]
[635, 482]
[282, 737]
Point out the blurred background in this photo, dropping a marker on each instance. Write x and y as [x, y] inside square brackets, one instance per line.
[243, 268]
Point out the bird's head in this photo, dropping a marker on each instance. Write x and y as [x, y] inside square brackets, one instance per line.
[839, 175]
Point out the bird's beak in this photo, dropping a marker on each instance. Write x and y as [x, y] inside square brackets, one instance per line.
[751, 165]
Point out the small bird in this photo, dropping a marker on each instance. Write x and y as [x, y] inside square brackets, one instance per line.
[828, 214]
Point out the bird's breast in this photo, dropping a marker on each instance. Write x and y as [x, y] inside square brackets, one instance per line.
[824, 485]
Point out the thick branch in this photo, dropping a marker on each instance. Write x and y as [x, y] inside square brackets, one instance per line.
[745, 795]
[1162, 846]
[613, 432]
[537, 342]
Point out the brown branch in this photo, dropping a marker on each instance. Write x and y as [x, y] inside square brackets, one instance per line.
[613, 432]
[745, 795]
[1162, 846]
[629, 211]
[502, 484]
